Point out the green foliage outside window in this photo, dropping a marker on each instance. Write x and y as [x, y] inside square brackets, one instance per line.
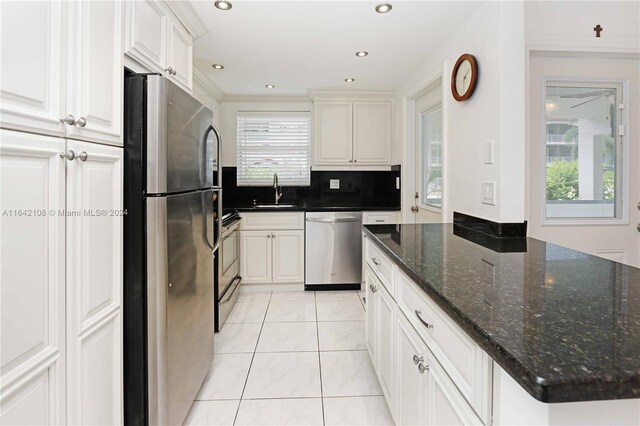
[562, 181]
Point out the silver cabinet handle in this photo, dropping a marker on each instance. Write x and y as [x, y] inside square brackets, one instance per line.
[69, 119]
[81, 122]
[355, 161]
[422, 368]
[69, 155]
[269, 236]
[375, 261]
[426, 324]
[82, 156]
[169, 70]
[417, 359]
[373, 288]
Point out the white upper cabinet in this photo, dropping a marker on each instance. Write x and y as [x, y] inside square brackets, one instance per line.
[180, 56]
[95, 73]
[145, 33]
[333, 133]
[371, 132]
[156, 40]
[352, 133]
[32, 94]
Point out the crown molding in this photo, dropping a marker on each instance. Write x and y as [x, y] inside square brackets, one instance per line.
[208, 85]
[268, 99]
[188, 17]
[350, 94]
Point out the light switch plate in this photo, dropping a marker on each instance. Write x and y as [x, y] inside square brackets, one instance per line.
[334, 183]
[398, 183]
[488, 152]
[489, 193]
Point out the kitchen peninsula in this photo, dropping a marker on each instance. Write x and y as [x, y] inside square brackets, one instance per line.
[501, 316]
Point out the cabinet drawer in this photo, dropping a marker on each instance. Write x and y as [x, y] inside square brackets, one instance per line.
[468, 366]
[378, 218]
[272, 221]
[382, 266]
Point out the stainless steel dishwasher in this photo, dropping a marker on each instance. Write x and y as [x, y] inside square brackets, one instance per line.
[333, 251]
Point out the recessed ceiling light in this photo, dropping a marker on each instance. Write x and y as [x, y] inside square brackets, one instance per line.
[223, 5]
[217, 66]
[349, 80]
[362, 53]
[384, 8]
[270, 86]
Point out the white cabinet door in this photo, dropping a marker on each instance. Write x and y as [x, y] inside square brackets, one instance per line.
[255, 249]
[385, 352]
[288, 256]
[333, 133]
[180, 56]
[446, 405]
[94, 285]
[412, 385]
[95, 71]
[145, 33]
[32, 315]
[371, 133]
[371, 293]
[32, 67]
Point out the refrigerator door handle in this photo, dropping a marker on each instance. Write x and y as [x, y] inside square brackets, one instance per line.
[205, 224]
[215, 131]
[219, 217]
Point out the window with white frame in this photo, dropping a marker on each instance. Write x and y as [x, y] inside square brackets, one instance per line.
[274, 142]
[431, 150]
[583, 151]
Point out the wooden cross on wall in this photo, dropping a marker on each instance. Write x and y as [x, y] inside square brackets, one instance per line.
[598, 29]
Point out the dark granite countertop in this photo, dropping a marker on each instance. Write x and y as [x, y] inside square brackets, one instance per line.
[310, 208]
[564, 324]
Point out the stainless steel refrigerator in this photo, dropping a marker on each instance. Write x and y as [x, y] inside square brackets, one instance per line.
[173, 198]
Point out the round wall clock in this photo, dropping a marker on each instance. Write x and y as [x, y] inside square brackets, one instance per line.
[464, 77]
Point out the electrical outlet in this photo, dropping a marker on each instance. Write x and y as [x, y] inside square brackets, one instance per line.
[488, 152]
[398, 183]
[489, 193]
[334, 183]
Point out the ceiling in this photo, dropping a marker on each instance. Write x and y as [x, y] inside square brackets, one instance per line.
[310, 45]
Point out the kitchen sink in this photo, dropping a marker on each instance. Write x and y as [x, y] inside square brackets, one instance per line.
[275, 206]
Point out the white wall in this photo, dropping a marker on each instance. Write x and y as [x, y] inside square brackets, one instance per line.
[494, 34]
[228, 124]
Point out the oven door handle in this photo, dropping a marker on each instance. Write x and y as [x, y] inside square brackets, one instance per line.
[237, 278]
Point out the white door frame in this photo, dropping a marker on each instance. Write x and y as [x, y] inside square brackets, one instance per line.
[410, 149]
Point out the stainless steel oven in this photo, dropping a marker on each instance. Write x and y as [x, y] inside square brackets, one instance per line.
[227, 269]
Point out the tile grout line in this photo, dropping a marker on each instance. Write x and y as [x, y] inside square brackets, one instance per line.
[315, 297]
[246, 380]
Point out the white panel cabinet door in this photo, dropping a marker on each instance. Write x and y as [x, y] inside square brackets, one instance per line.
[145, 33]
[255, 247]
[385, 334]
[371, 133]
[288, 256]
[333, 133]
[32, 313]
[371, 294]
[94, 284]
[412, 384]
[32, 67]
[180, 56]
[95, 71]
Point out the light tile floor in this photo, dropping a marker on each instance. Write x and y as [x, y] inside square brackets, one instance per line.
[296, 358]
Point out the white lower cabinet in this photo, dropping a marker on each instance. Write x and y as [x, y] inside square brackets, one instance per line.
[94, 284]
[418, 390]
[272, 256]
[61, 281]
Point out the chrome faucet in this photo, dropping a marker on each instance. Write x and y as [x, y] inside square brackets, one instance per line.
[277, 188]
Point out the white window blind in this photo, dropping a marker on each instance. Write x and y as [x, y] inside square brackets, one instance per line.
[273, 142]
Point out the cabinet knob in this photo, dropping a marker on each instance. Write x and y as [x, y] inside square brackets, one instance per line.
[355, 161]
[422, 368]
[171, 71]
[81, 122]
[417, 359]
[69, 155]
[82, 156]
[69, 119]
